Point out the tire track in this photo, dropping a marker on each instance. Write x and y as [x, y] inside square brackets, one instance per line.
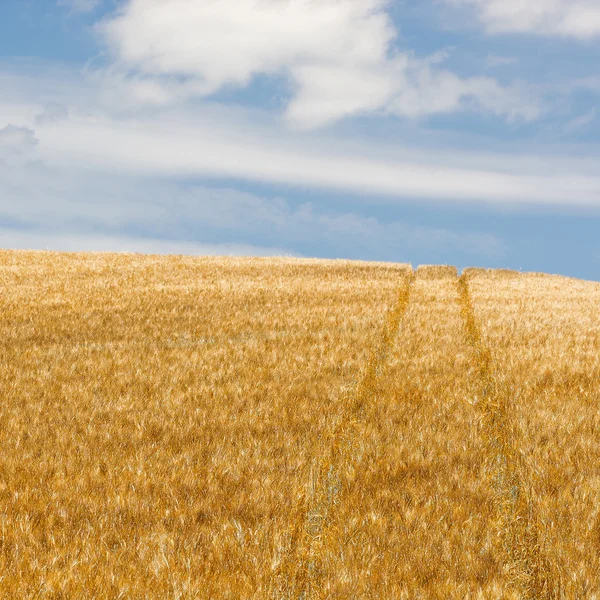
[300, 574]
[518, 524]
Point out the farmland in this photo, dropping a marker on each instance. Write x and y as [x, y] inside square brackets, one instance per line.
[178, 427]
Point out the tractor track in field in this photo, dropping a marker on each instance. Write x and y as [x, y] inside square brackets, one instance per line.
[517, 522]
[300, 573]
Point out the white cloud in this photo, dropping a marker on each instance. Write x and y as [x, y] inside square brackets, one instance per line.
[338, 56]
[567, 18]
[215, 145]
[430, 91]
[211, 140]
[226, 42]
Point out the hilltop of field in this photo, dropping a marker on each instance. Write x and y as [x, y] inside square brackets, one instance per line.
[178, 427]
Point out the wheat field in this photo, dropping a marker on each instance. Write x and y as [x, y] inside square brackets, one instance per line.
[178, 428]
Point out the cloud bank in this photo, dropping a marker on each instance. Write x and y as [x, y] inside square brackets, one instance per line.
[75, 129]
[80, 210]
[214, 146]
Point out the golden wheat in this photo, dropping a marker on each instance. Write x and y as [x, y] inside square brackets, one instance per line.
[518, 523]
[545, 332]
[177, 427]
[302, 574]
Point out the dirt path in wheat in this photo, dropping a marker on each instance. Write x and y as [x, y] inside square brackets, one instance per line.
[420, 490]
[397, 506]
[517, 522]
[415, 521]
[300, 573]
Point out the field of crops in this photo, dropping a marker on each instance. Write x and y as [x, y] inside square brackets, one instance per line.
[178, 427]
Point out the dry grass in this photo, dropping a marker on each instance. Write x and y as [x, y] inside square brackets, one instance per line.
[178, 427]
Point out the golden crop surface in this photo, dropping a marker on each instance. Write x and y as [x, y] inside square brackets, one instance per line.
[178, 427]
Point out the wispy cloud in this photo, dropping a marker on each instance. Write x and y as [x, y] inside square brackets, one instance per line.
[566, 18]
[213, 145]
[16, 144]
[493, 61]
[68, 208]
[581, 122]
[76, 129]
[590, 84]
[42, 239]
[79, 6]
[52, 113]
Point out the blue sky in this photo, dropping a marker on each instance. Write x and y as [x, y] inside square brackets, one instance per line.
[439, 131]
